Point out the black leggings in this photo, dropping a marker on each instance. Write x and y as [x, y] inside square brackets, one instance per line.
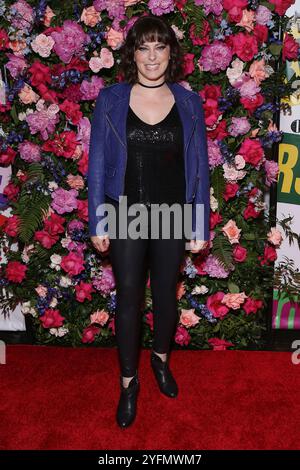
[130, 261]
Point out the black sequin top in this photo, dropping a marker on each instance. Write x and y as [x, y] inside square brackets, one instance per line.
[155, 160]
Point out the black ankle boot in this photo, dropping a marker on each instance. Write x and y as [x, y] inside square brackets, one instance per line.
[126, 410]
[164, 377]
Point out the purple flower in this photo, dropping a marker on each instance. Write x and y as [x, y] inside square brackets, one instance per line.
[107, 281]
[161, 7]
[43, 122]
[263, 15]
[75, 225]
[214, 154]
[64, 200]
[211, 6]
[247, 87]
[271, 169]
[29, 151]
[115, 8]
[215, 57]
[22, 15]
[69, 40]
[213, 267]
[239, 126]
[84, 132]
[15, 65]
[90, 90]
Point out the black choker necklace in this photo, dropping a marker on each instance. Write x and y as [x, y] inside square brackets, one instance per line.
[151, 86]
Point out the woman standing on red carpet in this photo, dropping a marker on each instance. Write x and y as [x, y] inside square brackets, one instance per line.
[148, 143]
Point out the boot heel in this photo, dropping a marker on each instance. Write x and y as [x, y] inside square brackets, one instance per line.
[126, 411]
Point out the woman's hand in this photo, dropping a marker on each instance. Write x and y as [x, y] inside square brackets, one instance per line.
[198, 245]
[101, 243]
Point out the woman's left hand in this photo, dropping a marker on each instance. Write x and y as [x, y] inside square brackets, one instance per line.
[198, 245]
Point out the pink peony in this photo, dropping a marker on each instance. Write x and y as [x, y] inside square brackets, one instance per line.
[69, 40]
[89, 334]
[84, 291]
[64, 200]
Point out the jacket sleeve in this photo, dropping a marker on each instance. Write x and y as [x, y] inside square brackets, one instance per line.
[201, 203]
[96, 165]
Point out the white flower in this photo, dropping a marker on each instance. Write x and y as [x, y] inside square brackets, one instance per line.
[200, 289]
[62, 331]
[53, 302]
[55, 262]
[65, 281]
[52, 185]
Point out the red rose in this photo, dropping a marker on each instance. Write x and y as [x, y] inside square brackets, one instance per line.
[11, 191]
[230, 190]
[82, 209]
[252, 104]
[15, 271]
[245, 46]
[270, 253]
[239, 253]
[235, 9]
[215, 306]
[7, 157]
[82, 163]
[252, 305]
[52, 318]
[290, 47]
[45, 238]
[89, 334]
[250, 211]
[215, 218]
[54, 224]
[83, 291]
[188, 64]
[40, 74]
[4, 40]
[12, 226]
[73, 264]
[282, 5]
[72, 111]
[252, 151]
[261, 33]
[46, 94]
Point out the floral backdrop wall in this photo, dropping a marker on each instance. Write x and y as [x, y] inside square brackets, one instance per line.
[55, 59]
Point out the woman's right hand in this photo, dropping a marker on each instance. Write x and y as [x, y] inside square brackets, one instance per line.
[101, 243]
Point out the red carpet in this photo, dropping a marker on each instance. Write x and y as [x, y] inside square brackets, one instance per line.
[63, 398]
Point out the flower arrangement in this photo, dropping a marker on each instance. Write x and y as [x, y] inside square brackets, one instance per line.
[55, 59]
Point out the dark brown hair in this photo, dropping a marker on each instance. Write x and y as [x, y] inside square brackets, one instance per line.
[151, 28]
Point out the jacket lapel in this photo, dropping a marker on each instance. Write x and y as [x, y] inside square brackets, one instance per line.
[116, 113]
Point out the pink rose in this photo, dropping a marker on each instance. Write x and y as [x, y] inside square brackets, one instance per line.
[182, 336]
[232, 231]
[114, 38]
[275, 237]
[188, 318]
[43, 45]
[234, 301]
[90, 16]
[100, 316]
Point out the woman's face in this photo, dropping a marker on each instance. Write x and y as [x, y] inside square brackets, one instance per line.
[152, 59]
